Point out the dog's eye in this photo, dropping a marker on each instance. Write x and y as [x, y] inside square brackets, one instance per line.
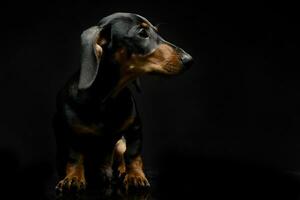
[143, 33]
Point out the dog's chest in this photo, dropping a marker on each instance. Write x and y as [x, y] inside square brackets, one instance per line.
[103, 120]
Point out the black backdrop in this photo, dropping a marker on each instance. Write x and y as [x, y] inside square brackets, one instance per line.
[238, 104]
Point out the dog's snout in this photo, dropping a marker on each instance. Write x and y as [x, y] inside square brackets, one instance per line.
[187, 60]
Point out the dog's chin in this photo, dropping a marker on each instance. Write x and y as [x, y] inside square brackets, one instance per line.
[166, 73]
[172, 70]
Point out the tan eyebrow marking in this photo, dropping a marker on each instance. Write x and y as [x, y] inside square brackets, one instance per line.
[146, 25]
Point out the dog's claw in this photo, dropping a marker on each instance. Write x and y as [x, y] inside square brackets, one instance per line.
[71, 184]
[58, 188]
[135, 180]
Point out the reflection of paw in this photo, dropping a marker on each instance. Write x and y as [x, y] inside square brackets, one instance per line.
[106, 174]
[71, 183]
[135, 179]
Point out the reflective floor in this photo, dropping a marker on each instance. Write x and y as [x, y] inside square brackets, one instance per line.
[177, 177]
[113, 192]
[108, 193]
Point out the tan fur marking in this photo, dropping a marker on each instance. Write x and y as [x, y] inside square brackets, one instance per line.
[74, 176]
[82, 129]
[75, 169]
[127, 123]
[92, 129]
[163, 60]
[119, 151]
[145, 25]
[135, 175]
[98, 50]
[135, 164]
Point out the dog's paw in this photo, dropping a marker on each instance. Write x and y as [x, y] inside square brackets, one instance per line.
[71, 183]
[135, 179]
[121, 171]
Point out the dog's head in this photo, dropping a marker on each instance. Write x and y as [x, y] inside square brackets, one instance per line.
[131, 45]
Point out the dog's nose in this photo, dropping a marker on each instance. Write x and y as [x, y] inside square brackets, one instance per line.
[187, 60]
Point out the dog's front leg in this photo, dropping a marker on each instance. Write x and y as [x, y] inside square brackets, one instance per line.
[75, 178]
[105, 166]
[135, 176]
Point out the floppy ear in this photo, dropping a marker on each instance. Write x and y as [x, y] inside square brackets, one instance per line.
[91, 53]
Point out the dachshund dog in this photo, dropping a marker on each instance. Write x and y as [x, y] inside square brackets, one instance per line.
[97, 126]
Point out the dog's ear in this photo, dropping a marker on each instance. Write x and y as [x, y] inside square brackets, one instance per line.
[91, 52]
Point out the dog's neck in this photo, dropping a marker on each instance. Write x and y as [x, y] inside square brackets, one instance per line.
[105, 86]
[101, 96]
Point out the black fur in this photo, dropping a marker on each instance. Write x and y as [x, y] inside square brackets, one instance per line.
[85, 99]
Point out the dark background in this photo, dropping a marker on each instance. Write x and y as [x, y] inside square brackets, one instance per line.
[227, 127]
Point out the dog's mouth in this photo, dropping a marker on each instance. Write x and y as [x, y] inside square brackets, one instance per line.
[171, 69]
[174, 66]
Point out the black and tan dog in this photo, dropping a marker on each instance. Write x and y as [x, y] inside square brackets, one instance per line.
[97, 125]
